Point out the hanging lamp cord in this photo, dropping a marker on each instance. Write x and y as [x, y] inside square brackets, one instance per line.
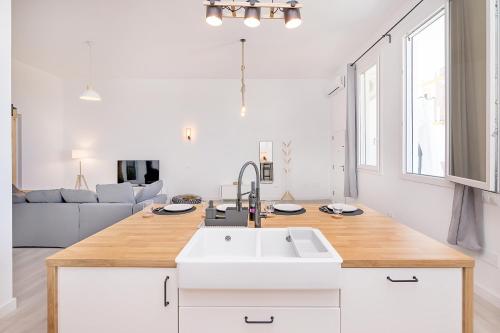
[243, 87]
[89, 44]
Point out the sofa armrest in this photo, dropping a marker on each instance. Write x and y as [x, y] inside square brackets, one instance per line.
[159, 199]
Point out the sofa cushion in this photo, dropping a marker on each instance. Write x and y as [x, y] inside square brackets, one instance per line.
[96, 216]
[115, 193]
[18, 197]
[44, 196]
[45, 224]
[78, 196]
[149, 191]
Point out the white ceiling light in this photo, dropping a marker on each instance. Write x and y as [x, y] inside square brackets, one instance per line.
[217, 9]
[89, 94]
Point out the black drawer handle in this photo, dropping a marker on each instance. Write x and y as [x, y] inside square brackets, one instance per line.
[270, 321]
[165, 302]
[403, 281]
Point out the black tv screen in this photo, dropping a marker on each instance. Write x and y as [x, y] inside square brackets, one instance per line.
[138, 172]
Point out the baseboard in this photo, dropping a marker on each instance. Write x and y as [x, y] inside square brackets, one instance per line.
[8, 307]
[487, 295]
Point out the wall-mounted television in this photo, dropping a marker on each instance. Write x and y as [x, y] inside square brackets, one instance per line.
[138, 172]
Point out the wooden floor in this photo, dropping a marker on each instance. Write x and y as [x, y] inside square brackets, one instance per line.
[30, 290]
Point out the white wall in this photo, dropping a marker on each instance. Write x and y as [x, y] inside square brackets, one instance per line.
[338, 102]
[38, 97]
[146, 119]
[424, 207]
[7, 302]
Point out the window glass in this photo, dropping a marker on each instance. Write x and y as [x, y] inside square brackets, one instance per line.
[368, 117]
[426, 99]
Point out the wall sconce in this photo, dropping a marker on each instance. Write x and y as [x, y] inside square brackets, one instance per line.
[188, 133]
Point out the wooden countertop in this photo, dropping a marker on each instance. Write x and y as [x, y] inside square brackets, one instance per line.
[368, 240]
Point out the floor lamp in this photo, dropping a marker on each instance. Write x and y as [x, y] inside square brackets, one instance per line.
[78, 154]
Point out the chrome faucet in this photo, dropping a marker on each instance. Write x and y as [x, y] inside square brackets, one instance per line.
[255, 193]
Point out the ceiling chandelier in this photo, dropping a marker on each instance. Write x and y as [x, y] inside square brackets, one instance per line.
[250, 11]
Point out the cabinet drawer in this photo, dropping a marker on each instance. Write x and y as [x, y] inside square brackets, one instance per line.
[261, 320]
[395, 300]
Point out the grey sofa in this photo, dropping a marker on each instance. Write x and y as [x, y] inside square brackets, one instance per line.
[60, 218]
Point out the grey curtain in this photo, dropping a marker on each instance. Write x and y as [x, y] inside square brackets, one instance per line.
[466, 219]
[350, 170]
[468, 97]
[467, 118]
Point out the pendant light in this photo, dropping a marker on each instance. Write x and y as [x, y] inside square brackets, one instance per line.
[292, 16]
[89, 94]
[214, 14]
[243, 86]
[252, 15]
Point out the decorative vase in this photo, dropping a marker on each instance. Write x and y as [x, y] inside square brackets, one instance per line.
[287, 158]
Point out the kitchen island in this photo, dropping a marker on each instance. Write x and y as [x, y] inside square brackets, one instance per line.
[369, 241]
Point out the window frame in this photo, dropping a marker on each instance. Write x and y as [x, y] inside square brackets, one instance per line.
[492, 182]
[361, 69]
[407, 98]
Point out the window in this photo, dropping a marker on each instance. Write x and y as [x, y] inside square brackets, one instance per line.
[426, 98]
[368, 117]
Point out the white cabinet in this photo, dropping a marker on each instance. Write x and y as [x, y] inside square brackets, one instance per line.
[125, 300]
[395, 300]
[259, 311]
[258, 319]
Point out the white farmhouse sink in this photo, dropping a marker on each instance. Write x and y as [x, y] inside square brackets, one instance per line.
[234, 258]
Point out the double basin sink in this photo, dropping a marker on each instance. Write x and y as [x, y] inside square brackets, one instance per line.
[244, 258]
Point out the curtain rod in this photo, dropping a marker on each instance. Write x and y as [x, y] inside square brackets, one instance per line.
[388, 33]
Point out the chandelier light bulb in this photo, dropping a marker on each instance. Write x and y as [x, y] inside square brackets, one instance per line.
[252, 17]
[214, 16]
[292, 18]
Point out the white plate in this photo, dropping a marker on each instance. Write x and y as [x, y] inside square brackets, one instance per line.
[178, 207]
[288, 207]
[347, 208]
[224, 207]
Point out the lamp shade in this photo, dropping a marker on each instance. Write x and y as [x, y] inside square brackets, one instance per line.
[292, 18]
[90, 95]
[214, 15]
[252, 17]
[79, 154]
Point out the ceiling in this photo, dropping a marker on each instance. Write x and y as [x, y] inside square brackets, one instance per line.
[160, 39]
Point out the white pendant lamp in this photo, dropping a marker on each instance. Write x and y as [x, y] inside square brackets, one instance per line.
[89, 94]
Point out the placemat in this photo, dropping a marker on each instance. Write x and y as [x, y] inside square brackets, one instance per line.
[326, 210]
[160, 211]
[299, 212]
